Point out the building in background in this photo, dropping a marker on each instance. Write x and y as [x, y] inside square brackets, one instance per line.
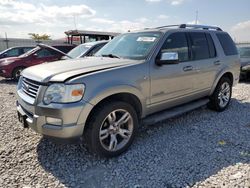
[83, 36]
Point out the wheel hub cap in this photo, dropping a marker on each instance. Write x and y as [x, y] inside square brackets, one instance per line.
[116, 130]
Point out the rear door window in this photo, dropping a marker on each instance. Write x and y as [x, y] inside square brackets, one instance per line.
[227, 44]
[44, 53]
[26, 49]
[199, 46]
[212, 50]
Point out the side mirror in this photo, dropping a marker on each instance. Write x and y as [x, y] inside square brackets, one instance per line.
[35, 55]
[167, 58]
[4, 55]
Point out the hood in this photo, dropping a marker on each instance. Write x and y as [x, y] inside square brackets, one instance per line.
[9, 60]
[53, 48]
[60, 71]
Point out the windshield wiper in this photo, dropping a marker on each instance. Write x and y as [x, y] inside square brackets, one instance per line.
[110, 55]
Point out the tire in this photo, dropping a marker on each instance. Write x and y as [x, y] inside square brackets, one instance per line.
[104, 135]
[221, 97]
[16, 73]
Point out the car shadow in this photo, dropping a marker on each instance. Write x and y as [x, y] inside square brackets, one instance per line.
[177, 152]
[7, 81]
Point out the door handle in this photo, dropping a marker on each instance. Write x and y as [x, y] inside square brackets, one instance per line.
[217, 62]
[187, 68]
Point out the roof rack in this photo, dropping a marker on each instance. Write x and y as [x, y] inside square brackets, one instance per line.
[200, 27]
[184, 26]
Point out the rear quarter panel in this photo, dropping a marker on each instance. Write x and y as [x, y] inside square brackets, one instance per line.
[229, 64]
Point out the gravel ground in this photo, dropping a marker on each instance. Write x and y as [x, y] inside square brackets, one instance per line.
[198, 149]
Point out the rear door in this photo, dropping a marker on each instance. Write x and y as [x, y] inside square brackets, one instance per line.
[205, 61]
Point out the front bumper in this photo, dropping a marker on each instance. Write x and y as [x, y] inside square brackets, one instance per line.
[35, 118]
[245, 72]
[246, 68]
[5, 73]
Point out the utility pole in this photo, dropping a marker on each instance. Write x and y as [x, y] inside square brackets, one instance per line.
[6, 40]
[196, 17]
[75, 21]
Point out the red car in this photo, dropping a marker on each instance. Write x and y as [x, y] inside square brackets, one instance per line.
[13, 66]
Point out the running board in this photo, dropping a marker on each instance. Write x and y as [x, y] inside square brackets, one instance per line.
[173, 112]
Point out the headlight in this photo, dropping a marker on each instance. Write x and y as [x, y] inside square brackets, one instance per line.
[62, 93]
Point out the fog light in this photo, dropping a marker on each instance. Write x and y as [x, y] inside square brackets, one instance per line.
[53, 121]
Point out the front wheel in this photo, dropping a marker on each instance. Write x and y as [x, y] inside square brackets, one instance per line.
[17, 73]
[111, 129]
[221, 97]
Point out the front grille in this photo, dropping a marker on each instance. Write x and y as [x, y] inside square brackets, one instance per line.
[30, 87]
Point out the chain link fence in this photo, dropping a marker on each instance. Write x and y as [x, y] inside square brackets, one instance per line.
[12, 42]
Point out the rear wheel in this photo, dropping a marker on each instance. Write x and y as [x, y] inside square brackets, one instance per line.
[112, 128]
[17, 73]
[221, 97]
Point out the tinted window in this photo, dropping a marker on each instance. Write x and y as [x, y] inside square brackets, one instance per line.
[26, 50]
[227, 44]
[177, 42]
[13, 52]
[44, 53]
[64, 49]
[95, 49]
[212, 51]
[199, 46]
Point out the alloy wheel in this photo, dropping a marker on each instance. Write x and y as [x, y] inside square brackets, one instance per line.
[116, 130]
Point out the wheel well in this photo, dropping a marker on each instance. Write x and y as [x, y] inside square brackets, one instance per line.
[16, 69]
[228, 75]
[124, 97]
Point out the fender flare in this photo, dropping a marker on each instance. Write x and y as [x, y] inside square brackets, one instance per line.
[103, 94]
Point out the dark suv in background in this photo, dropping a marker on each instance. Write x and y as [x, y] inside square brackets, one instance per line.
[245, 62]
[15, 51]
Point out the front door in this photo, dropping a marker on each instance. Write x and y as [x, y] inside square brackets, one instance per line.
[172, 82]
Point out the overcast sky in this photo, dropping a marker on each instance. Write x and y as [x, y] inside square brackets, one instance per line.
[20, 17]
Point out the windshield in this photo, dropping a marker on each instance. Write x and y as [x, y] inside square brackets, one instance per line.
[130, 45]
[79, 50]
[244, 52]
[30, 52]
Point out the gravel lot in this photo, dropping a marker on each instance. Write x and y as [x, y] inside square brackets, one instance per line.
[199, 149]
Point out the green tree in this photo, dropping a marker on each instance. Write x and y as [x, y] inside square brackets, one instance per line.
[39, 37]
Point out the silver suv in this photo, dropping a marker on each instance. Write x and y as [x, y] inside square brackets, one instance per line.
[139, 77]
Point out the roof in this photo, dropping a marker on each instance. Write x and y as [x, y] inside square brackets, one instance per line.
[85, 32]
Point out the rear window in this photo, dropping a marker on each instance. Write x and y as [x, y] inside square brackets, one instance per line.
[227, 44]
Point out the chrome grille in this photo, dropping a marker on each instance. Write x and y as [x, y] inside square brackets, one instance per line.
[30, 87]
